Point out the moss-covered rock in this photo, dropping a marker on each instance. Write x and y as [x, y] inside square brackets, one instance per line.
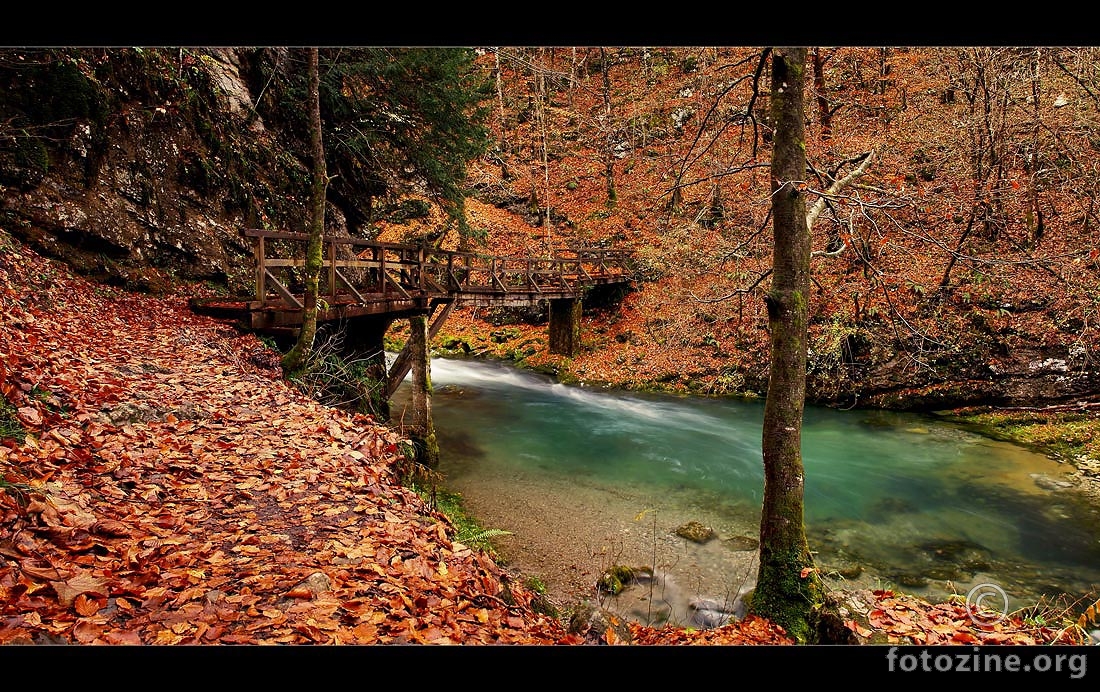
[696, 532]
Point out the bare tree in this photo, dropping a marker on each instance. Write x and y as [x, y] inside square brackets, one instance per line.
[824, 112]
[296, 356]
[609, 151]
[500, 103]
[788, 588]
[541, 96]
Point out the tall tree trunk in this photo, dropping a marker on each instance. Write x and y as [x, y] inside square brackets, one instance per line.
[788, 589]
[541, 96]
[609, 151]
[884, 69]
[500, 105]
[423, 433]
[297, 355]
[1035, 212]
[825, 116]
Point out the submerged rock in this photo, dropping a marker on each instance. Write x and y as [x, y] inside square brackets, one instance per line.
[711, 612]
[696, 532]
[742, 543]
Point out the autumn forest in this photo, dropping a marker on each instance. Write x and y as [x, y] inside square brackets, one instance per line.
[165, 479]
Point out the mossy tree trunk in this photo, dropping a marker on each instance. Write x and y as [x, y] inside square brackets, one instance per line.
[297, 355]
[427, 447]
[609, 152]
[788, 589]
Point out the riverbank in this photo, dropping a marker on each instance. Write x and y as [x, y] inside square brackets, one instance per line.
[1069, 434]
[163, 484]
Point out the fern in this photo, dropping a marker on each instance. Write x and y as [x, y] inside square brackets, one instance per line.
[479, 537]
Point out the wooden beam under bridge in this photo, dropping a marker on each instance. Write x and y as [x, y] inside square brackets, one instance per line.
[403, 363]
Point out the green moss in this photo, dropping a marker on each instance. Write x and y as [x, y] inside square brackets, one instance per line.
[787, 598]
[541, 603]
[393, 344]
[1065, 435]
[615, 578]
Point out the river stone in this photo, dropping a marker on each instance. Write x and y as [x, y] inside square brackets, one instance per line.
[594, 623]
[453, 391]
[1047, 483]
[847, 569]
[957, 551]
[696, 532]
[654, 599]
[892, 505]
[743, 543]
[713, 612]
[907, 580]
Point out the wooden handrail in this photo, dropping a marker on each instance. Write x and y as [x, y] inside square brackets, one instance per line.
[414, 271]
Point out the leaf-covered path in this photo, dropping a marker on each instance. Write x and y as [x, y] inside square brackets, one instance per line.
[166, 486]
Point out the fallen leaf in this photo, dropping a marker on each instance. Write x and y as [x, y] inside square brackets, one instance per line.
[47, 573]
[86, 606]
[964, 637]
[610, 637]
[858, 629]
[30, 416]
[68, 590]
[110, 528]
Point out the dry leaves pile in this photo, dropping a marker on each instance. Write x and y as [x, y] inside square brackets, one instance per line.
[907, 620]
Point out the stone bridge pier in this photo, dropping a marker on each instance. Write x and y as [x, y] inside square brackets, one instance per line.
[565, 326]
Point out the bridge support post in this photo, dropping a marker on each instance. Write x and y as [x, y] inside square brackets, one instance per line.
[363, 338]
[565, 326]
[423, 430]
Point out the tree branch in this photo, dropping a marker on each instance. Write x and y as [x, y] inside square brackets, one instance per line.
[836, 187]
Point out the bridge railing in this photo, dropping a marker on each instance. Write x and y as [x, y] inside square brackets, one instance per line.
[352, 268]
[567, 269]
[356, 269]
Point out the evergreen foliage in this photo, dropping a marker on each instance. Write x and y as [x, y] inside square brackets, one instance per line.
[397, 121]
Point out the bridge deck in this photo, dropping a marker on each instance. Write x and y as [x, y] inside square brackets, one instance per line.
[361, 277]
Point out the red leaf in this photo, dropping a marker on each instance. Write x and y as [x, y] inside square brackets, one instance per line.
[964, 637]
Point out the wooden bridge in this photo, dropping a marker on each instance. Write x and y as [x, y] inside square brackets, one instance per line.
[366, 285]
[361, 277]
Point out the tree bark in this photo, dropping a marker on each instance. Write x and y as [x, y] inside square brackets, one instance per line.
[609, 149]
[423, 434]
[297, 355]
[500, 105]
[825, 116]
[788, 589]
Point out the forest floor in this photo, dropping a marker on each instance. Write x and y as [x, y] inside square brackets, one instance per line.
[161, 483]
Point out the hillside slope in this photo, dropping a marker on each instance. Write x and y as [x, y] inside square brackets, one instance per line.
[960, 270]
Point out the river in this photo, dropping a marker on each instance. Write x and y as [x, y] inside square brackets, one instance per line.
[586, 479]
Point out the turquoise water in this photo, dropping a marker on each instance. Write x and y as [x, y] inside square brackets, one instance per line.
[891, 499]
